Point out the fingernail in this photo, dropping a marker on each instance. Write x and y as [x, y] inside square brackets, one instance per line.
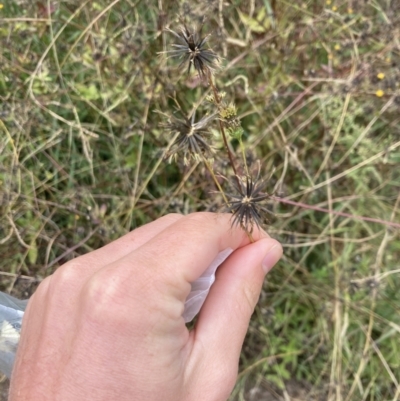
[272, 257]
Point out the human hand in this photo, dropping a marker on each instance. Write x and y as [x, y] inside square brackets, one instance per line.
[108, 325]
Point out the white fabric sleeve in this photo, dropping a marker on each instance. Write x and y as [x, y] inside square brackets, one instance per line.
[201, 287]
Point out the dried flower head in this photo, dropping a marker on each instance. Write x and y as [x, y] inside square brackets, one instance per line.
[192, 49]
[192, 137]
[245, 204]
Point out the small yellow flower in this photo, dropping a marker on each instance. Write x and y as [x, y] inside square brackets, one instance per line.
[334, 8]
[337, 47]
[328, 2]
[1, 6]
[77, 217]
[350, 11]
[379, 93]
[228, 111]
[381, 75]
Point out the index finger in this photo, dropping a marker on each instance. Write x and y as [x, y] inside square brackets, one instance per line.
[184, 250]
[124, 245]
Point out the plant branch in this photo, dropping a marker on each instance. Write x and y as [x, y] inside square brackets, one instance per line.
[221, 126]
[320, 209]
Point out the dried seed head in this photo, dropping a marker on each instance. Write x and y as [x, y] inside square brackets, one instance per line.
[245, 204]
[192, 138]
[193, 51]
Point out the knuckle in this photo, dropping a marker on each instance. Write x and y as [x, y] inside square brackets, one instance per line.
[100, 299]
[102, 290]
[109, 296]
[64, 278]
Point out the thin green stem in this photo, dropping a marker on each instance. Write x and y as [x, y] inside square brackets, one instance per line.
[244, 156]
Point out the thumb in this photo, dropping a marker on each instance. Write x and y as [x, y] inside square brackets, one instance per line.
[224, 317]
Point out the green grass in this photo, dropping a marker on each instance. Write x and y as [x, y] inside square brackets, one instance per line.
[317, 87]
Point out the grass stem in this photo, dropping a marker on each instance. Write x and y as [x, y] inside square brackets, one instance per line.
[209, 168]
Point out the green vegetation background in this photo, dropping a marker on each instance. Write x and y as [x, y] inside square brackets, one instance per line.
[316, 84]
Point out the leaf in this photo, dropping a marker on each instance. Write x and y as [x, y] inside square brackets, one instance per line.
[33, 252]
[88, 92]
[259, 24]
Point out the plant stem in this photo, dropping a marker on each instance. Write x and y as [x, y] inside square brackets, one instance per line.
[209, 168]
[244, 156]
[351, 216]
[221, 126]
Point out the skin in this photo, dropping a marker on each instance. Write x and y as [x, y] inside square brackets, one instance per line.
[108, 325]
